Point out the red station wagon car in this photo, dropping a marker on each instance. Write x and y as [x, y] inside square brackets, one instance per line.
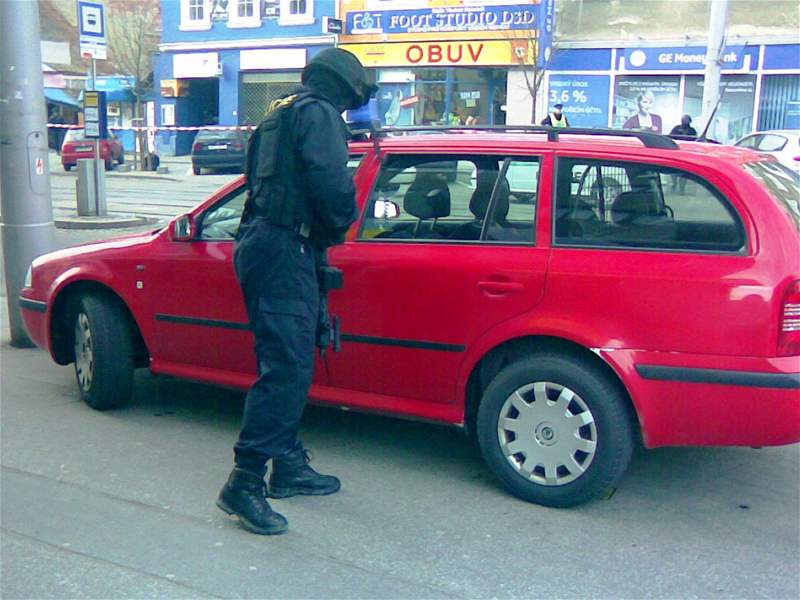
[562, 295]
[76, 145]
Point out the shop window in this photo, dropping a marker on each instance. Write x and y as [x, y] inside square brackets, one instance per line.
[258, 90]
[448, 97]
[297, 12]
[195, 15]
[243, 13]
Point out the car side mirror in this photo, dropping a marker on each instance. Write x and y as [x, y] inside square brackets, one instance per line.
[385, 209]
[182, 229]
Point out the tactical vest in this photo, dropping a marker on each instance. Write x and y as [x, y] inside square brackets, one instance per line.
[274, 189]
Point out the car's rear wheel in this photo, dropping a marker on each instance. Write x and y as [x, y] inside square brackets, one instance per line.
[196, 170]
[103, 352]
[108, 164]
[555, 430]
[121, 159]
[67, 167]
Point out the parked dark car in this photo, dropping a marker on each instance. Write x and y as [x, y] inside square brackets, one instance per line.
[218, 149]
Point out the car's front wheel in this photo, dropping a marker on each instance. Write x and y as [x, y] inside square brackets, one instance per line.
[103, 352]
[555, 430]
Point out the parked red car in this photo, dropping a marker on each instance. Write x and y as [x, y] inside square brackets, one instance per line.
[76, 145]
[559, 295]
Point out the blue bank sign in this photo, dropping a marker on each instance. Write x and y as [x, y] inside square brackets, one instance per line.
[680, 58]
[444, 20]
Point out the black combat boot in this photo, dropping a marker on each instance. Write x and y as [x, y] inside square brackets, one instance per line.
[244, 495]
[291, 476]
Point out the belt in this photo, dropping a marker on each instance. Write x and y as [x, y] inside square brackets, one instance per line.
[301, 229]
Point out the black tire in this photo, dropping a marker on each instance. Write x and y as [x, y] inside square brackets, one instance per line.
[196, 170]
[109, 165]
[68, 167]
[105, 373]
[546, 438]
[121, 159]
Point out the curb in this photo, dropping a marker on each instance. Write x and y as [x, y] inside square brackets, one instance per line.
[107, 222]
[126, 175]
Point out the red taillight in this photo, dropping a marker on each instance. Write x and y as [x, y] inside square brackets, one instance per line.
[198, 147]
[789, 333]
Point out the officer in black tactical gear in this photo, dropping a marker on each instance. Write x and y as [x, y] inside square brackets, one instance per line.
[301, 199]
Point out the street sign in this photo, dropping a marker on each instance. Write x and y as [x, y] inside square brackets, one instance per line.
[92, 28]
[94, 115]
[331, 25]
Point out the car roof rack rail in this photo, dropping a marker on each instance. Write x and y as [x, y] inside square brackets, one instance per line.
[648, 138]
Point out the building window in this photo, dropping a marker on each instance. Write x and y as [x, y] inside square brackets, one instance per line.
[297, 7]
[244, 13]
[195, 15]
[245, 8]
[297, 12]
[196, 12]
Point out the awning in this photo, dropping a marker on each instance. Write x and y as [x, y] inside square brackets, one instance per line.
[59, 96]
[117, 89]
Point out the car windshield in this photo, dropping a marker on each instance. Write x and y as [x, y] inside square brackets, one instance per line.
[783, 184]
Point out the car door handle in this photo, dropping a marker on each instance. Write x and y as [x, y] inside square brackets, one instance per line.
[497, 288]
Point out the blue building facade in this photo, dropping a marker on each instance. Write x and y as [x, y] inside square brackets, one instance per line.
[599, 87]
[222, 62]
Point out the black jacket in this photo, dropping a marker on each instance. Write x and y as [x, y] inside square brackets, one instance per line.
[321, 137]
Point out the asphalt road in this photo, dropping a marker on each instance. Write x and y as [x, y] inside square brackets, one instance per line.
[121, 504]
[150, 195]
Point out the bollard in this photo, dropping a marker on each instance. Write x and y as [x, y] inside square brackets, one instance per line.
[85, 188]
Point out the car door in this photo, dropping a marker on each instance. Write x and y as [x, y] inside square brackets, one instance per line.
[426, 276]
[201, 323]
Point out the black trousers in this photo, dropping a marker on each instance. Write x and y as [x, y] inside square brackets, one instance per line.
[277, 273]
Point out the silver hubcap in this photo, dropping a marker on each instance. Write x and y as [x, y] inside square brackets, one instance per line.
[547, 433]
[84, 355]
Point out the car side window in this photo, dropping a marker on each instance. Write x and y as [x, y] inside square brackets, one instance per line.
[771, 142]
[221, 222]
[750, 141]
[453, 199]
[618, 204]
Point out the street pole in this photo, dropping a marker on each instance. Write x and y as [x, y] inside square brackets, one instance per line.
[27, 227]
[716, 40]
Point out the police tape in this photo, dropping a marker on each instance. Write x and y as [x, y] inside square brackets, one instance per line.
[161, 128]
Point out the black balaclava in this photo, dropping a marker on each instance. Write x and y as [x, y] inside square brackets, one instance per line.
[325, 83]
[338, 75]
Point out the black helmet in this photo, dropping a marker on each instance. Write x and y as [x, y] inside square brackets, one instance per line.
[347, 68]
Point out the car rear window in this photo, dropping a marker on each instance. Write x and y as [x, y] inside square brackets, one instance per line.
[75, 135]
[782, 183]
[222, 134]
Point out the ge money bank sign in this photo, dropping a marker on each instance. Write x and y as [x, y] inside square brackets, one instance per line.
[447, 32]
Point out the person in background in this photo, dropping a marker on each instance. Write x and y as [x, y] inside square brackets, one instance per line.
[557, 118]
[644, 120]
[685, 128]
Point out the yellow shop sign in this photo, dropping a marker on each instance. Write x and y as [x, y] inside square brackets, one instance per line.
[442, 54]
